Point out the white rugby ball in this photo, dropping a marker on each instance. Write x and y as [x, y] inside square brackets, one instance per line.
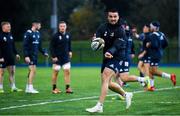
[97, 44]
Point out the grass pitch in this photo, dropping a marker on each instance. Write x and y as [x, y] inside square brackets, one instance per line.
[86, 85]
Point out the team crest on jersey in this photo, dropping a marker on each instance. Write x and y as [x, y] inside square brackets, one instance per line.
[60, 37]
[11, 37]
[4, 38]
[38, 36]
[105, 33]
[67, 36]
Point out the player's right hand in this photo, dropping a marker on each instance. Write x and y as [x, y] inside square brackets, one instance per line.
[54, 59]
[108, 55]
[1, 59]
[27, 60]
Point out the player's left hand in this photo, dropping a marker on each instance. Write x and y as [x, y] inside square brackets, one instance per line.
[18, 57]
[108, 55]
[70, 54]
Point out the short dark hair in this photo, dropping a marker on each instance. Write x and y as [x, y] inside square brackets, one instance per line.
[156, 23]
[147, 25]
[4, 23]
[112, 10]
[60, 22]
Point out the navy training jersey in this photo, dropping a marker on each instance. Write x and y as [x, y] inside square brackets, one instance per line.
[155, 50]
[146, 40]
[110, 33]
[163, 38]
[60, 45]
[32, 44]
[7, 46]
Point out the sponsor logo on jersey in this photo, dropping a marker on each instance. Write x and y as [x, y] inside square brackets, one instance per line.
[35, 42]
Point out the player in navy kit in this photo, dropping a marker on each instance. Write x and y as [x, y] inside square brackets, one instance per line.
[130, 48]
[110, 32]
[157, 45]
[61, 53]
[154, 47]
[8, 53]
[143, 61]
[31, 46]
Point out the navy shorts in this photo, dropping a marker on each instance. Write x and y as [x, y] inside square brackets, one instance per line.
[33, 61]
[123, 66]
[154, 62]
[116, 65]
[113, 65]
[61, 61]
[7, 63]
[146, 59]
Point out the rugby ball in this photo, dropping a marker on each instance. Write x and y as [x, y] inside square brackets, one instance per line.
[97, 44]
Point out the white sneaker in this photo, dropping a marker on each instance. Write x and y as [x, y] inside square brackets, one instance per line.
[128, 98]
[95, 109]
[31, 91]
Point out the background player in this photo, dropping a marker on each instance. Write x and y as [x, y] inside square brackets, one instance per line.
[8, 53]
[157, 45]
[61, 52]
[31, 46]
[110, 31]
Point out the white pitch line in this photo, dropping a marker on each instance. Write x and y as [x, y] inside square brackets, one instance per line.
[75, 99]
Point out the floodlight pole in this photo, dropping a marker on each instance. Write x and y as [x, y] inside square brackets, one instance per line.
[54, 16]
[179, 32]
